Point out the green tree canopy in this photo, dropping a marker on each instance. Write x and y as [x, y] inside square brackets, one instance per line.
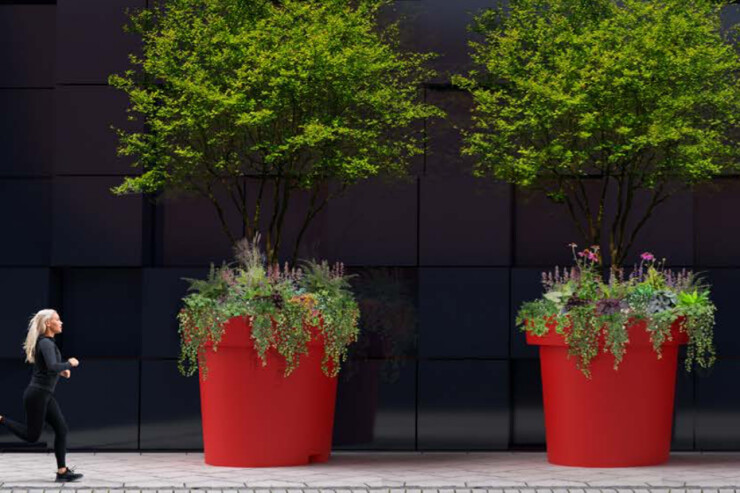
[643, 95]
[293, 95]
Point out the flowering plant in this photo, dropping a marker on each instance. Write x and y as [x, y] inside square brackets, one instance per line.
[285, 306]
[584, 307]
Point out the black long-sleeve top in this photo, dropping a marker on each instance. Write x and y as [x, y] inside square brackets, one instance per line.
[48, 365]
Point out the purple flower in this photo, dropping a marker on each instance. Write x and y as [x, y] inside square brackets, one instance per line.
[647, 256]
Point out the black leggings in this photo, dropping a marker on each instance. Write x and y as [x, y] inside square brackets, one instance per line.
[41, 406]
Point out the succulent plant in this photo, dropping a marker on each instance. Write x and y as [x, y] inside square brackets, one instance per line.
[662, 301]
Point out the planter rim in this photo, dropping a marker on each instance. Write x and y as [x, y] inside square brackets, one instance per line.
[638, 336]
[242, 339]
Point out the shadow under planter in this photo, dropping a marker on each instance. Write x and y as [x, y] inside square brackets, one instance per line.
[255, 416]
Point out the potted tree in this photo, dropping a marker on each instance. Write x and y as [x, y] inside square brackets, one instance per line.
[594, 103]
[587, 328]
[268, 342]
[268, 102]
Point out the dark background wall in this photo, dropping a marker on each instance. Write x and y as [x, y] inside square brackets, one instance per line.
[454, 375]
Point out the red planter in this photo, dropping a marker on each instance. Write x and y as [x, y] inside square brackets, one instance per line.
[254, 416]
[617, 418]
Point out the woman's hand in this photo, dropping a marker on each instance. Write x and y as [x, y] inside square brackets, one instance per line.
[74, 362]
[66, 374]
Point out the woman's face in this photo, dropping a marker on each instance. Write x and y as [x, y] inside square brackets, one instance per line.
[54, 324]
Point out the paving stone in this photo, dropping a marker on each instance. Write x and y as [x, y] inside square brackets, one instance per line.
[364, 472]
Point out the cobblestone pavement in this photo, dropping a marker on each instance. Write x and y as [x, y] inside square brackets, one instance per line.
[504, 472]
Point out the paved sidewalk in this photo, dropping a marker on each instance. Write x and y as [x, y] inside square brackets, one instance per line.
[352, 472]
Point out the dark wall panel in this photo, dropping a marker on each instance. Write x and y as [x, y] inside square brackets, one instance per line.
[440, 26]
[544, 230]
[27, 45]
[684, 421]
[464, 312]
[718, 407]
[527, 413]
[443, 157]
[717, 223]
[102, 312]
[162, 291]
[84, 142]
[730, 15]
[389, 312]
[463, 405]
[100, 403]
[24, 292]
[14, 376]
[170, 408]
[667, 234]
[93, 227]
[192, 233]
[376, 406]
[25, 219]
[724, 283]
[464, 221]
[91, 44]
[375, 223]
[26, 130]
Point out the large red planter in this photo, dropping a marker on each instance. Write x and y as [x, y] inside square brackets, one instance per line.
[254, 416]
[619, 418]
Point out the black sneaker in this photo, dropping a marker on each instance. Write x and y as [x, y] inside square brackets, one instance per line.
[68, 476]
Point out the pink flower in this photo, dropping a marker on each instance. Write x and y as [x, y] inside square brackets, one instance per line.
[593, 257]
[647, 256]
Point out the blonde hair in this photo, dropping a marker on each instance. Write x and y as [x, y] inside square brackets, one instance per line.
[36, 327]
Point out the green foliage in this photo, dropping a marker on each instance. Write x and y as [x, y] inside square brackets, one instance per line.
[286, 308]
[641, 95]
[295, 95]
[588, 311]
[539, 316]
[698, 312]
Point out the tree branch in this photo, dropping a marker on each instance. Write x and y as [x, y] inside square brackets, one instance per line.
[656, 200]
[287, 189]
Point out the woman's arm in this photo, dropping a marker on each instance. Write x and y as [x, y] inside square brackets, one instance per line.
[47, 349]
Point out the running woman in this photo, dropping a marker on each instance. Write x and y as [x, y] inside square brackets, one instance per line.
[38, 399]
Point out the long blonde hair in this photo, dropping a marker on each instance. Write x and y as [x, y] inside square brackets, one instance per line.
[36, 327]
